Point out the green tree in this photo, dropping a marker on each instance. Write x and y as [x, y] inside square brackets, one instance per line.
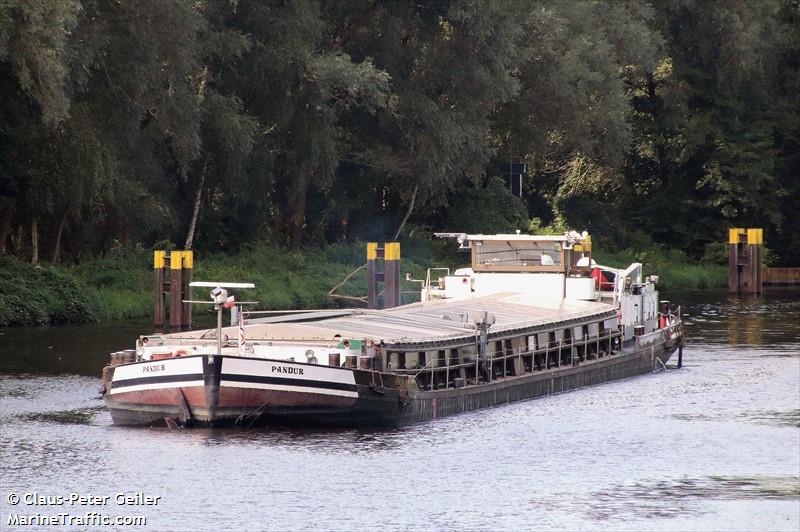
[706, 123]
[451, 65]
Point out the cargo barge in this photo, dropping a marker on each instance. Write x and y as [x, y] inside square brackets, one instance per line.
[531, 316]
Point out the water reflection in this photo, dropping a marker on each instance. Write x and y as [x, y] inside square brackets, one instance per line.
[770, 321]
[668, 498]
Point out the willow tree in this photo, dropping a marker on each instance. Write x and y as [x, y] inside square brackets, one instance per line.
[34, 62]
[712, 122]
[298, 88]
[569, 122]
[451, 65]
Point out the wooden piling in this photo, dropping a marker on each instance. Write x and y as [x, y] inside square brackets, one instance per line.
[389, 254]
[175, 285]
[391, 272]
[372, 283]
[158, 283]
[733, 259]
[187, 263]
[755, 240]
[745, 257]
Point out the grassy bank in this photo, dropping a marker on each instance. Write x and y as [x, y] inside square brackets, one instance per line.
[119, 287]
[676, 272]
[30, 295]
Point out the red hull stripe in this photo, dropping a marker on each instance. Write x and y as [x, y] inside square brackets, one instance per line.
[195, 397]
[251, 398]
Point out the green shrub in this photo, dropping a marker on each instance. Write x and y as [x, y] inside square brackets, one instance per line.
[36, 295]
[673, 267]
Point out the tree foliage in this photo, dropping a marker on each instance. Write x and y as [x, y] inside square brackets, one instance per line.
[214, 124]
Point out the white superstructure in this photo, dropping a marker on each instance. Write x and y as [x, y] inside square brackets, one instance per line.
[547, 267]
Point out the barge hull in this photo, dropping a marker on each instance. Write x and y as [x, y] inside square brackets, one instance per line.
[370, 405]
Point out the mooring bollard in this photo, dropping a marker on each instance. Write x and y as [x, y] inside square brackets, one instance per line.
[176, 284]
[158, 275]
[390, 276]
[745, 257]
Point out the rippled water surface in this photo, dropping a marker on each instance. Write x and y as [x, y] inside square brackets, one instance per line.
[712, 446]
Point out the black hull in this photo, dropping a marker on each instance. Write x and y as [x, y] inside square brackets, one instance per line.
[387, 406]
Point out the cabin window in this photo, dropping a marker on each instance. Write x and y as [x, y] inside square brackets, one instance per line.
[505, 253]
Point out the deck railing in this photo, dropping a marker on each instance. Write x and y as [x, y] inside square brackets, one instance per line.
[475, 361]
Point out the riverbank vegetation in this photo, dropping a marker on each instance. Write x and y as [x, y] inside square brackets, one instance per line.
[284, 132]
[119, 287]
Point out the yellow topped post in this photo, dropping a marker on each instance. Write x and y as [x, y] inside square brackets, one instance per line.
[158, 258]
[755, 236]
[372, 275]
[585, 245]
[175, 260]
[391, 274]
[180, 276]
[391, 251]
[175, 288]
[372, 250]
[187, 260]
[158, 281]
[745, 254]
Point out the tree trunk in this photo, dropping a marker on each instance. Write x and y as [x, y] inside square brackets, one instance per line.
[74, 233]
[661, 150]
[196, 210]
[35, 241]
[5, 227]
[298, 217]
[408, 212]
[17, 240]
[57, 245]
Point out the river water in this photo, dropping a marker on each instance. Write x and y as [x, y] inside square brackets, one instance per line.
[712, 446]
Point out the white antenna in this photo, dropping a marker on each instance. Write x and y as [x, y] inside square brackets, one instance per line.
[211, 284]
[219, 298]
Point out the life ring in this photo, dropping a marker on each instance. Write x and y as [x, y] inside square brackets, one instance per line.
[182, 353]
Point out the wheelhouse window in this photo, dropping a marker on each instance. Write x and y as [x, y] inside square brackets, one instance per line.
[503, 255]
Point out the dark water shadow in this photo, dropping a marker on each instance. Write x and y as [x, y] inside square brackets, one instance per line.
[787, 418]
[81, 416]
[670, 498]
